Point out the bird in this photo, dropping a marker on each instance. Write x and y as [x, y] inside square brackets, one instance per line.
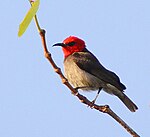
[85, 72]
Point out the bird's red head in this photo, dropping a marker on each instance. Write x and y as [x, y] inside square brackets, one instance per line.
[71, 44]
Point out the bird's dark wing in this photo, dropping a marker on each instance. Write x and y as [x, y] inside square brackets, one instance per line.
[88, 62]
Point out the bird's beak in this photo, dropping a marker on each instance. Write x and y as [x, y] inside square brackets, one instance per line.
[59, 44]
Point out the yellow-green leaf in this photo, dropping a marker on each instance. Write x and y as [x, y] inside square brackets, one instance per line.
[29, 16]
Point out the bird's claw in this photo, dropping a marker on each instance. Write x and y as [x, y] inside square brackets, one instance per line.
[91, 105]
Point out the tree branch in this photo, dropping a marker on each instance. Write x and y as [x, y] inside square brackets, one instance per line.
[105, 109]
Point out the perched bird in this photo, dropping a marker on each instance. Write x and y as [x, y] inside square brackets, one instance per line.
[84, 71]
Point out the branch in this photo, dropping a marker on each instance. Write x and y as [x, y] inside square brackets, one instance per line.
[105, 109]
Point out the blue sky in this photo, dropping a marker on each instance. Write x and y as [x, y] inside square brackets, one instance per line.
[34, 103]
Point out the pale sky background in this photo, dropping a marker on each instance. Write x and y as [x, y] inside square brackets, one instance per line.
[34, 102]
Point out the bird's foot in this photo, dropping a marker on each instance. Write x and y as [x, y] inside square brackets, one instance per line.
[91, 105]
[93, 102]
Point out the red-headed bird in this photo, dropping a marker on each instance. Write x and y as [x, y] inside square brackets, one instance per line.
[84, 71]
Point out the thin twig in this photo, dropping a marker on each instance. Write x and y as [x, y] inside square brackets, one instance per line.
[105, 109]
[35, 18]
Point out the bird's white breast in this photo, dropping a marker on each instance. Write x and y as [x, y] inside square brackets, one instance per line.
[80, 78]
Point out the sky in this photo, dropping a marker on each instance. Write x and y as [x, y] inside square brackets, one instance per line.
[34, 102]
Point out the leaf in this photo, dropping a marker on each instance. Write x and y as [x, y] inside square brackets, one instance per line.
[29, 16]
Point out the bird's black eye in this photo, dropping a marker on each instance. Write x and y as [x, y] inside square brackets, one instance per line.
[71, 43]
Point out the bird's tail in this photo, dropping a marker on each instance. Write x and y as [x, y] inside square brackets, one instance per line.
[128, 102]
